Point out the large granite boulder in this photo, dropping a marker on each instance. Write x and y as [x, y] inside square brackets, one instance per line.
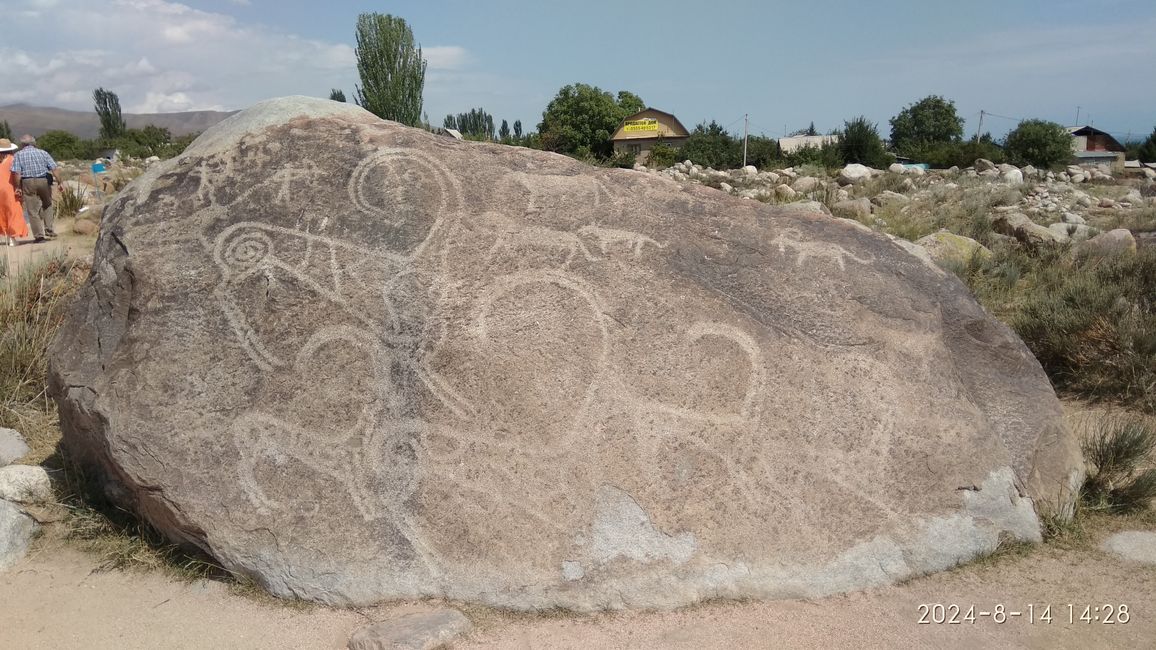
[360, 361]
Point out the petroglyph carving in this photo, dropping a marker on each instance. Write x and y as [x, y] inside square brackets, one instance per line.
[817, 249]
[608, 237]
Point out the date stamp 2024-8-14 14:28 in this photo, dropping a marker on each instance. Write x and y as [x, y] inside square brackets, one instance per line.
[1035, 614]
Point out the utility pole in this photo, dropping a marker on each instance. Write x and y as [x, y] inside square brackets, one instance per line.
[1077, 116]
[979, 128]
[746, 124]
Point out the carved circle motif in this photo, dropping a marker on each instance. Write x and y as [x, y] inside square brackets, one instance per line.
[247, 250]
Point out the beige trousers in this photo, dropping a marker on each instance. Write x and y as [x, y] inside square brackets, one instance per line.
[38, 205]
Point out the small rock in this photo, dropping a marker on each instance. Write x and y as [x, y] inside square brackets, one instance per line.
[1135, 545]
[1013, 176]
[726, 187]
[945, 246]
[750, 170]
[1078, 178]
[1072, 217]
[1029, 171]
[1107, 203]
[805, 184]
[852, 209]
[1113, 242]
[16, 532]
[85, 227]
[983, 165]
[854, 173]
[12, 446]
[419, 631]
[805, 207]
[785, 192]
[1070, 231]
[887, 196]
[25, 484]
[1018, 225]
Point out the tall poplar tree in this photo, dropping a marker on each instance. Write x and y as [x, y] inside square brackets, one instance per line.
[108, 109]
[391, 67]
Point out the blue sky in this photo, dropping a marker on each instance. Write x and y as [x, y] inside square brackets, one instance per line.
[784, 63]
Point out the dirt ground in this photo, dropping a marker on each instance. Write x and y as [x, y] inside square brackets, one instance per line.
[58, 598]
[15, 258]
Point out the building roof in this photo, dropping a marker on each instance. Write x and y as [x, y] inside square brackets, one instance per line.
[1088, 131]
[669, 126]
[793, 143]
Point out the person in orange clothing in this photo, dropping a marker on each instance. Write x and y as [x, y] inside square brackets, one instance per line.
[12, 224]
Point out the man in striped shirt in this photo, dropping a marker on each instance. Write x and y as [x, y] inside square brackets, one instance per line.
[31, 168]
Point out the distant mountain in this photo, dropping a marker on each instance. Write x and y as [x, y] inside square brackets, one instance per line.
[85, 124]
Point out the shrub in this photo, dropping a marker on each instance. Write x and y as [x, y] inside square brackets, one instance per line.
[1146, 152]
[1040, 143]
[829, 156]
[860, 143]
[710, 145]
[69, 203]
[1121, 478]
[662, 156]
[941, 155]
[1091, 322]
[623, 159]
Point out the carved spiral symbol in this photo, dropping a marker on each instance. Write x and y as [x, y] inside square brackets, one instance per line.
[247, 250]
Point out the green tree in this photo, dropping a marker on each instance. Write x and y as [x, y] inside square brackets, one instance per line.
[337, 95]
[1147, 151]
[391, 68]
[107, 106]
[5, 130]
[930, 120]
[517, 129]
[860, 143]
[712, 146]
[504, 131]
[661, 156]
[477, 124]
[581, 119]
[1040, 143]
[762, 152]
[66, 146]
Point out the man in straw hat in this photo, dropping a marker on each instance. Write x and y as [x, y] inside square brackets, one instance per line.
[32, 168]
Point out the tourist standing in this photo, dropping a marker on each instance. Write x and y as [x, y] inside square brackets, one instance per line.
[11, 213]
[32, 168]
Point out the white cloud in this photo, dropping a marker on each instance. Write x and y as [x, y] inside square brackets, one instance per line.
[160, 55]
[445, 57]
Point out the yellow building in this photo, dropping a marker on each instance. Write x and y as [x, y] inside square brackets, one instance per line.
[640, 132]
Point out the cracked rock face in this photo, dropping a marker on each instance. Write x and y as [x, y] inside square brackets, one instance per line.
[359, 361]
